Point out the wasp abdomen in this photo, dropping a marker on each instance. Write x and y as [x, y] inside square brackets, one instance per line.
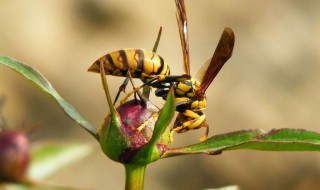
[141, 63]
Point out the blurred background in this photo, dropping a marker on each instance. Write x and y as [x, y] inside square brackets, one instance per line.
[272, 81]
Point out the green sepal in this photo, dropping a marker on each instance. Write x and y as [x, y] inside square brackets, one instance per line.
[152, 151]
[112, 141]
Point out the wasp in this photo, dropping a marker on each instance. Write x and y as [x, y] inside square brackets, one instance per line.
[151, 68]
[190, 95]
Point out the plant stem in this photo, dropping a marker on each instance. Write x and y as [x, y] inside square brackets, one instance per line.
[134, 176]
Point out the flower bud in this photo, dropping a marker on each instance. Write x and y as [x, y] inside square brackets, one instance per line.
[123, 136]
[14, 156]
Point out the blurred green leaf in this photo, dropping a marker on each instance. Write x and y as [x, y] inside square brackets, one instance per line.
[49, 158]
[38, 186]
[274, 140]
[37, 79]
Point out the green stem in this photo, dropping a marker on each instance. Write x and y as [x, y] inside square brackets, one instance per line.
[134, 176]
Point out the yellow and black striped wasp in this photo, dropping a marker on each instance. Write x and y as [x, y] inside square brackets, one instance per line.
[190, 94]
[154, 71]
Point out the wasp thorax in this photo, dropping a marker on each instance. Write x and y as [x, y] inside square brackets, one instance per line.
[186, 88]
[122, 138]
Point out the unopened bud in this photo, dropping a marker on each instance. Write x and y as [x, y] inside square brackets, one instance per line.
[122, 137]
[14, 156]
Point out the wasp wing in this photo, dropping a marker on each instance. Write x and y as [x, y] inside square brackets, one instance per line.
[202, 70]
[183, 30]
[222, 53]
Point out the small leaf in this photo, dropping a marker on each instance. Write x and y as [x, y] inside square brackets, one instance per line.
[37, 79]
[49, 158]
[274, 140]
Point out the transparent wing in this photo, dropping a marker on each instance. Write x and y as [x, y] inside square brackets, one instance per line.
[202, 70]
[183, 30]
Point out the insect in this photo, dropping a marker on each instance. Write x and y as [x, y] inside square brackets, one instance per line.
[190, 94]
[151, 68]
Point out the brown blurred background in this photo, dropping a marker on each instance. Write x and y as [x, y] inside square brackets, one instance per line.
[272, 81]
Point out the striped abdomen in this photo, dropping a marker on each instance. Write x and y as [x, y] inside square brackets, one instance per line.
[141, 63]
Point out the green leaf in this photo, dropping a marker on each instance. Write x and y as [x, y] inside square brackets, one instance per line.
[37, 79]
[49, 158]
[284, 140]
[274, 140]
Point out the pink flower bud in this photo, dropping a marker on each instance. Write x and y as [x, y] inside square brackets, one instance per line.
[14, 156]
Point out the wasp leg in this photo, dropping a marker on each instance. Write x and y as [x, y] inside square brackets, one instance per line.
[99, 130]
[130, 94]
[171, 136]
[188, 120]
[181, 101]
[134, 91]
[122, 88]
[143, 125]
[190, 124]
[132, 83]
[155, 80]
[192, 114]
[137, 89]
[205, 136]
[143, 99]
